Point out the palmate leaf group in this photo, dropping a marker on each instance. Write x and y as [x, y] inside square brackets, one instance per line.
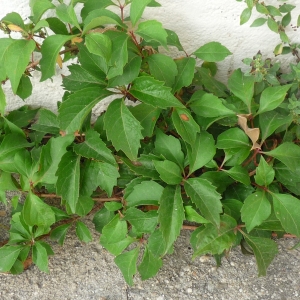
[172, 147]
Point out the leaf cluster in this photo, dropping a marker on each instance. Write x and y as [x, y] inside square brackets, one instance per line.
[188, 150]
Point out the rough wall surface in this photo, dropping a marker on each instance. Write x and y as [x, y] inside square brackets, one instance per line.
[195, 21]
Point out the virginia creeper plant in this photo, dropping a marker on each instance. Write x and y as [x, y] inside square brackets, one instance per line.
[189, 152]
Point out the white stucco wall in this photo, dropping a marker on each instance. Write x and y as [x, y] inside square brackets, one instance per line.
[195, 21]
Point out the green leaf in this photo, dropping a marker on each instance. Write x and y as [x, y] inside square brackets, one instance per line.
[68, 179]
[145, 193]
[113, 206]
[272, 25]
[102, 217]
[272, 120]
[114, 237]
[59, 233]
[272, 97]
[288, 153]
[163, 68]
[192, 216]
[245, 15]
[145, 222]
[170, 215]
[136, 9]
[38, 8]
[264, 250]
[173, 40]
[186, 70]
[169, 147]
[130, 72]
[81, 78]
[153, 92]
[83, 232]
[36, 212]
[232, 207]
[91, 5]
[57, 26]
[40, 256]
[208, 105]
[147, 115]
[286, 8]
[39, 25]
[210, 239]
[200, 151]
[8, 256]
[66, 13]
[15, 56]
[50, 49]
[93, 147]
[46, 122]
[84, 205]
[152, 30]
[258, 22]
[255, 210]
[25, 87]
[242, 86]
[232, 138]
[13, 18]
[239, 174]
[206, 198]
[127, 264]
[156, 244]
[185, 125]
[287, 209]
[150, 265]
[212, 52]
[107, 177]
[100, 17]
[122, 128]
[264, 173]
[75, 109]
[99, 44]
[169, 171]
[119, 56]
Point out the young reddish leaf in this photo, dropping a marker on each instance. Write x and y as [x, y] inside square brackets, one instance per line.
[123, 129]
[206, 198]
[255, 210]
[170, 214]
[127, 264]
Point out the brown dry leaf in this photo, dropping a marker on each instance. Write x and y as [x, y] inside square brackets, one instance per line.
[76, 39]
[59, 61]
[13, 27]
[253, 133]
[184, 117]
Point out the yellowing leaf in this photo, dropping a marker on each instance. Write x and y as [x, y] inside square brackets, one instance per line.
[14, 27]
[253, 133]
[76, 39]
[59, 61]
